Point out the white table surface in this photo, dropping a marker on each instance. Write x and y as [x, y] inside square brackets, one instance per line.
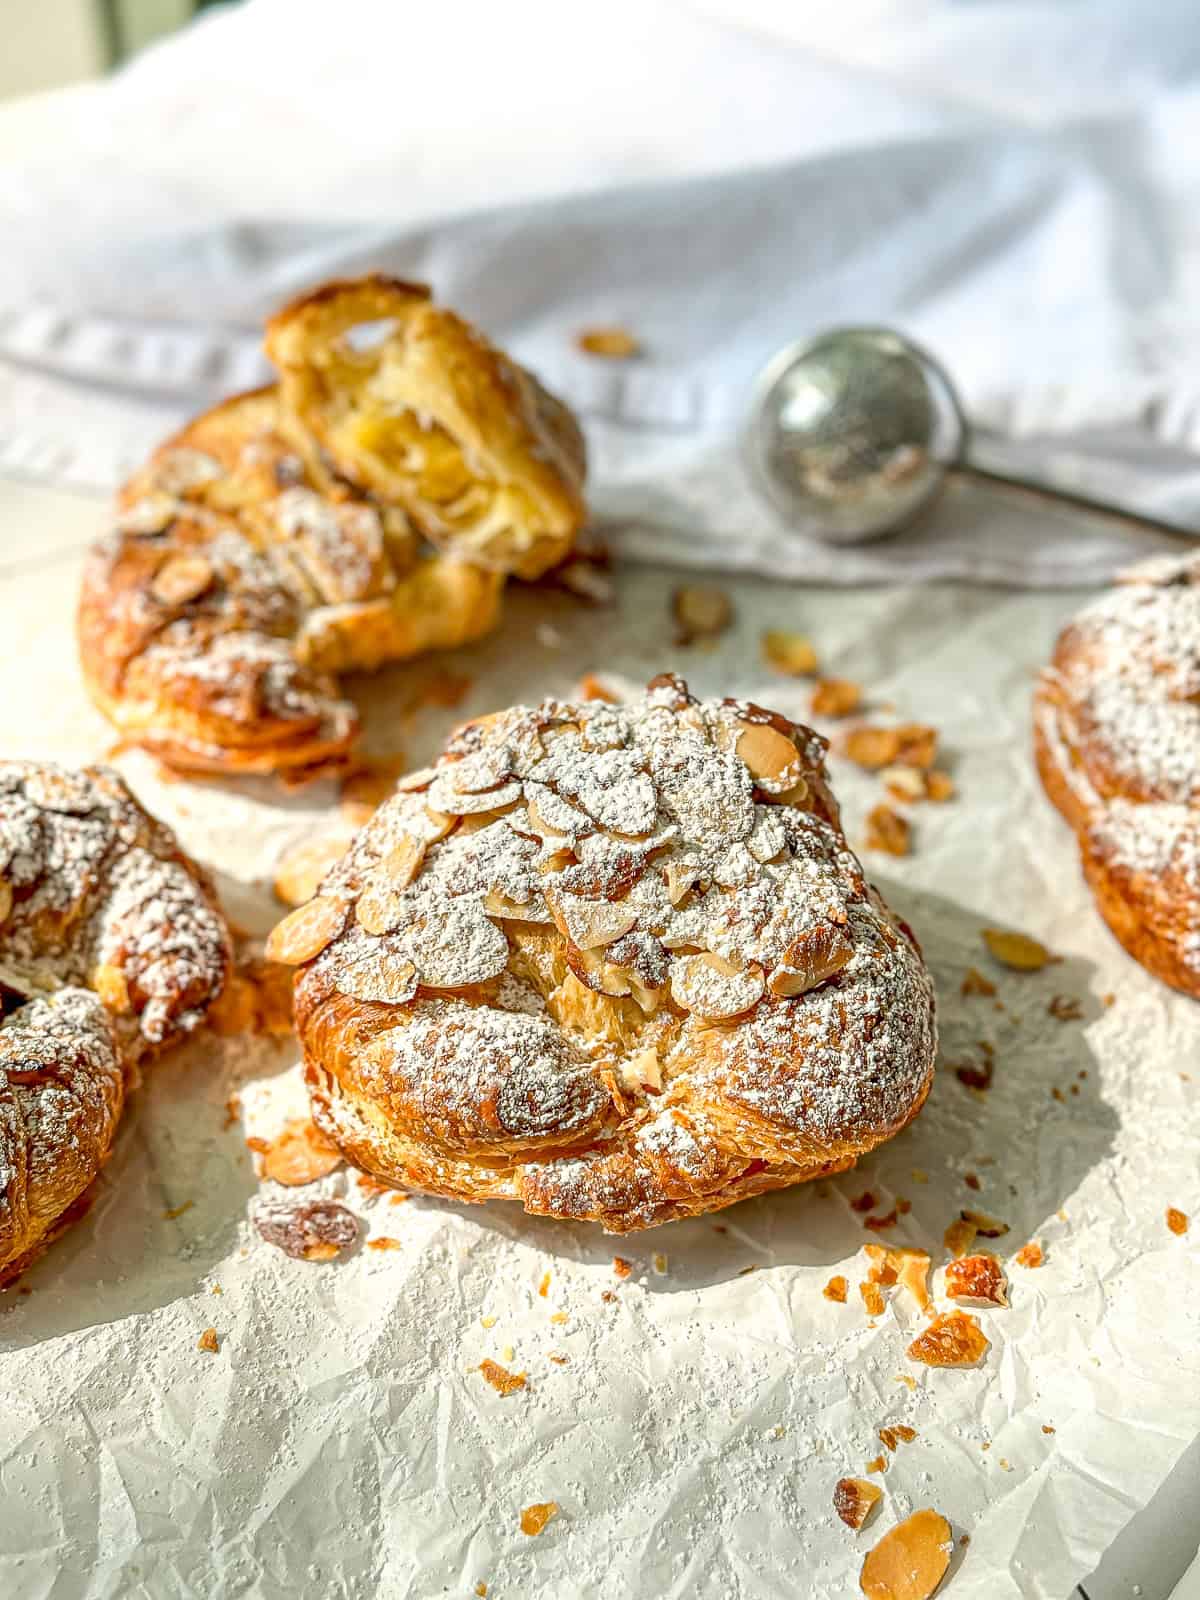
[1151, 1558]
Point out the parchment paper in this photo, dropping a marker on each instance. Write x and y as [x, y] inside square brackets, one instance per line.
[343, 1443]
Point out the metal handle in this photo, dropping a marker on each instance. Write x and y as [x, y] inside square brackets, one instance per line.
[1120, 516]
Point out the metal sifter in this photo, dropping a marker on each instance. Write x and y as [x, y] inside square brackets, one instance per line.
[853, 434]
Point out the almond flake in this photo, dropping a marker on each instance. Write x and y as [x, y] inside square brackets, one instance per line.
[589, 924]
[959, 1237]
[300, 1154]
[835, 697]
[905, 784]
[301, 870]
[771, 757]
[445, 798]
[708, 987]
[181, 579]
[384, 976]
[953, 1339]
[613, 343]
[305, 932]
[810, 959]
[701, 611]
[854, 1499]
[1016, 950]
[888, 831]
[790, 653]
[989, 1227]
[910, 1560]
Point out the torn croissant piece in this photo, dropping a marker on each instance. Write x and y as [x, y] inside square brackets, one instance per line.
[240, 579]
[543, 970]
[1117, 742]
[111, 948]
[279, 540]
[417, 408]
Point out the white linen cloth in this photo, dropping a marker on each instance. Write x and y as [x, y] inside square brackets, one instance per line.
[1015, 184]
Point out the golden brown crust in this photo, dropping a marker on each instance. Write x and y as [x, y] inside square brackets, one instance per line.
[1117, 746]
[241, 578]
[616, 963]
[111, 947]
[433, 418]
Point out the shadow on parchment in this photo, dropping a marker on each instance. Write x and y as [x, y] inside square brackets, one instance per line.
[1027, 1150]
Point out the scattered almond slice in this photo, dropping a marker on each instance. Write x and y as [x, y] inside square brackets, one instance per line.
[976, 1280]
[959, 1237]
[854, 1499]
[701, 611]
[771, 757]
[305, 932]
[613, 343]
[910, 1561]
[1177, 1221]
[906, 784]
[209, 1342]
[503, 1381]
[953, 1339]
[790, 653]
[1030, 1255]
[301, 870]
[988, 1227]
[835, 697]
[534, 1518]
[1017, 950]
[181, 579]
[888, 831]
[300, 1154]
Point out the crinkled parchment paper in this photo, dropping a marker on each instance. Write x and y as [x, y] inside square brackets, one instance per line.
[343, 1442]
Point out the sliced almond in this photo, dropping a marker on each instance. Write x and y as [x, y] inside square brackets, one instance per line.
[438, 824]
[772, 758]
[499, 905]
[987, 1227]
[182, 578]
[301, 870]
[642, 1070]
[588, 924]
[888, 831]
[387, 978]
[681, 877]
[809, 960]
[110, 984]
[709, 987]
[445, 798]
[835, 697]
[591, 969]
[416, 782]
[792, 653]
[701, 611]
[305, 932]
[872, 748]
[910, 1560]
[904, 783]
[613, 343]
[1016, 950]
[300, 1154]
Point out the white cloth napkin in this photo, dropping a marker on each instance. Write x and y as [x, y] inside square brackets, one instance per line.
[1014, 184]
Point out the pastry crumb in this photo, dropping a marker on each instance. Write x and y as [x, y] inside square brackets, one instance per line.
[611, 342]
[622, 1267]
[910, 1561]
[209, 1342]
[534, 1518]
[383, 1241]
[835, 1289]
[854, 1499]
[790, 653]
[888, 831]
[503, 1381]
[1177, 1220]
[1017, 951]
[974, 982]
[835, 697]
[953, 1339]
